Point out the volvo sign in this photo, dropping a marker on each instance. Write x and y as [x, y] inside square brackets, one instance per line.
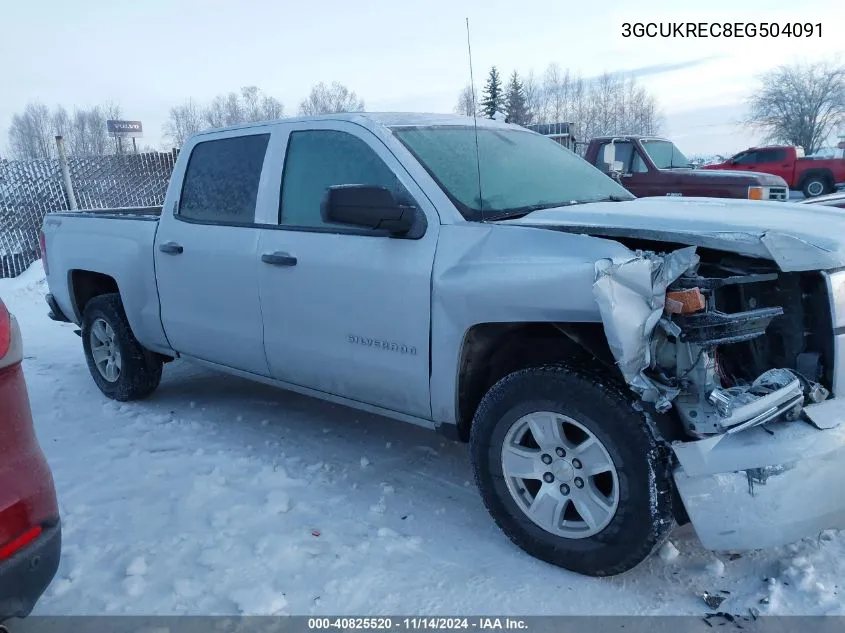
[127, 129]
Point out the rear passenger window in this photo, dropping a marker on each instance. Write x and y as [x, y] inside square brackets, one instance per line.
[221, 182]
[638, 166]
[319, 159]
[771, 155]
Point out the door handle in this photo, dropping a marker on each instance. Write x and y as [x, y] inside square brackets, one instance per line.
[278, 259]
[171, 248]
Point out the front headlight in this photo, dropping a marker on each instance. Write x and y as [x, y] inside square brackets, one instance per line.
[836, 292]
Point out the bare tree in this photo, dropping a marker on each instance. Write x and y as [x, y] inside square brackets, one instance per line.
[325, 99]
[556, 89]
[61, 122]
[533, 97]
[214, 115]
[98, 140]
[31, 133]
[258, 107]
[251, 100]
[88, 135]
[112, 112]
[248, 107]
[466, 104]
[271, 108]
[800, 104]
[234, 109]
[183, 121]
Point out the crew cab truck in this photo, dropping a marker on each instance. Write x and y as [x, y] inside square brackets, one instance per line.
[813, 176]
[651, 166]
[610, 360]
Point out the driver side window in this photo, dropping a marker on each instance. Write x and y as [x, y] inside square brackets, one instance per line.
[319, 159]
[624, 150]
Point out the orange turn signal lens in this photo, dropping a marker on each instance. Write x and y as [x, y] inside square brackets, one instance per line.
[684, 301]
[756, 193]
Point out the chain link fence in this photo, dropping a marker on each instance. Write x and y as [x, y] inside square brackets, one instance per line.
[31, 189]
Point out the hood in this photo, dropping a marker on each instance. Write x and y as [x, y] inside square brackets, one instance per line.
[795, 236]
[737, 177]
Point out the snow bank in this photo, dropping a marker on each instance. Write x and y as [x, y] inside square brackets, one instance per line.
[32, 280]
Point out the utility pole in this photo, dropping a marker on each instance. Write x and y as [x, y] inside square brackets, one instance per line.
[71, 197]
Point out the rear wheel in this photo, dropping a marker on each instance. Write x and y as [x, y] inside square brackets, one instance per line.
[120, 366]
[816, 186]
[570, 471]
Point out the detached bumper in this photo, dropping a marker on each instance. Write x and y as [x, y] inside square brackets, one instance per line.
[756, 490]
[25, 576]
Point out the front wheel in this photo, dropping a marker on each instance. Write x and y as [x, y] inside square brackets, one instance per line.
[120, 366]
[570, 471]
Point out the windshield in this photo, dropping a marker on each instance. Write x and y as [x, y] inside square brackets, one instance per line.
[520, 171]
[665, 155]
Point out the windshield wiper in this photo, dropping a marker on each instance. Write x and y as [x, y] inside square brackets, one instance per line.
[518, 212]
[605, 199]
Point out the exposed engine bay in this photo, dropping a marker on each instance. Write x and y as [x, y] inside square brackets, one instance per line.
[729, 342]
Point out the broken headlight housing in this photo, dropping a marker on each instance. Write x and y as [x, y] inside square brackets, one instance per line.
[685, 352]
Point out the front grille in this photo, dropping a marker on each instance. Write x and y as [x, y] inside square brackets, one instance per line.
[779, 193]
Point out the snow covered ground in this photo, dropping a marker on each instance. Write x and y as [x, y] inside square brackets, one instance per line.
[220, 496]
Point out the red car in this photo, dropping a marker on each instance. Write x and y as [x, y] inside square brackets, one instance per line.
[30, 530]
[831, 200]
[813, 176]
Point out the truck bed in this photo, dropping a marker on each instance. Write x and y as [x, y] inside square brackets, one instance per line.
[117, 243]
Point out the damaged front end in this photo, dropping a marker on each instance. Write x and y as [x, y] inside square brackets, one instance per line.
[683, 333]
[745, 357]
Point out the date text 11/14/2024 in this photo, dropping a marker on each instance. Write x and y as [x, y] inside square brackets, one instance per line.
[416, 623]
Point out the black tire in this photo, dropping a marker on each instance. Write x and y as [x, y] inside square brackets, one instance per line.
[643, 517]
[816, 186]
[140, 371]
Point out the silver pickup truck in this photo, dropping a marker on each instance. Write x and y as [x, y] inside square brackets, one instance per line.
[618, 365]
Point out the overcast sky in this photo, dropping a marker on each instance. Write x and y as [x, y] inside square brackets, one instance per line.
[149, 55]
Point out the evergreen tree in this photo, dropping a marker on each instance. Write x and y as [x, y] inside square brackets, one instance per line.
[493, 97]
[515, 102]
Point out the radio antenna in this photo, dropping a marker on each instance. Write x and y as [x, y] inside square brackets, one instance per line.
[475, 125]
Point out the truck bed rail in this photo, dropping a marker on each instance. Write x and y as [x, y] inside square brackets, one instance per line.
[135, 213]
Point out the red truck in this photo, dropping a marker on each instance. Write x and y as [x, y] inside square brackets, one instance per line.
[813, 176]
[652, 166]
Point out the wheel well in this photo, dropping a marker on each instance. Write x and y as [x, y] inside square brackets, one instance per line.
[491, 351]
[85, 285]
[824, 174]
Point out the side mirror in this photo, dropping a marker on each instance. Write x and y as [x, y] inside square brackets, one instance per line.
[609, 157]
[367, 207]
